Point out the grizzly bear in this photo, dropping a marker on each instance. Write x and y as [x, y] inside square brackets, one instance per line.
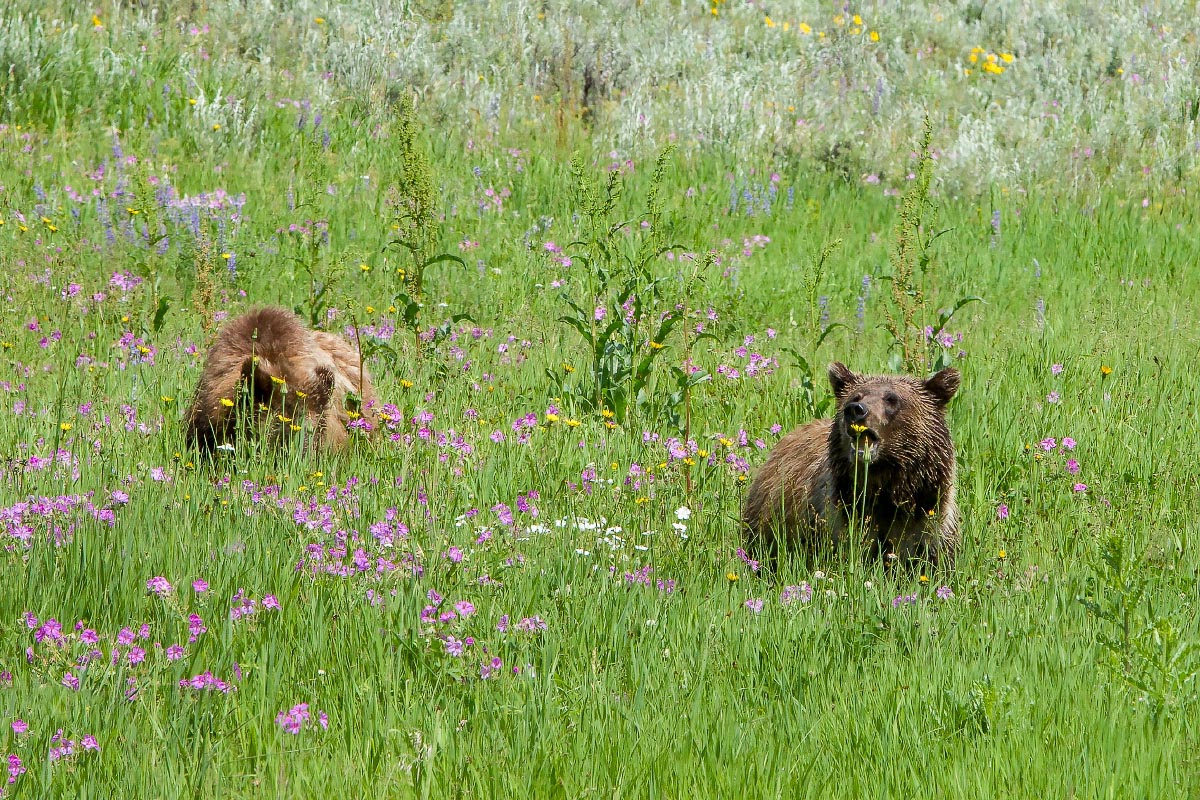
[267, 373]
[883, 465]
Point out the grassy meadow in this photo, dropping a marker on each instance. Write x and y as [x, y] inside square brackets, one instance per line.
[599, 256]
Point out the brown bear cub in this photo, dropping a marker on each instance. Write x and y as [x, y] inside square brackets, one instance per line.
[885, 459]
[267, 373]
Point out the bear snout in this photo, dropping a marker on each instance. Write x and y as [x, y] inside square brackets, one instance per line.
[856, 412]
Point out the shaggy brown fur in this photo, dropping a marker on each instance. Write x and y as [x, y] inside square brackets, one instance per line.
[889, 445]
[290, 375]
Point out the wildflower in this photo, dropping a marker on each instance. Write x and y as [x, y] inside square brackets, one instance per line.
[1080, 487]
[751, 563]
[791, 594]
[944, 593]
[225, 401]
[1052, 398]
[158, 585]
[1002, 555]
[1068, 443]
[683, 513]
[464, 608]
[1048, 444]
[1072, 466]
[1002, 511]
[754, 604]
[924, 579]
[1105, 371]
[200, 586]
[20, 726]
[874, 36]
[174, 652]
[732, 577]
[1056, 369]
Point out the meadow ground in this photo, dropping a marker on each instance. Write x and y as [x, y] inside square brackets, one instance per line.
[527, 581]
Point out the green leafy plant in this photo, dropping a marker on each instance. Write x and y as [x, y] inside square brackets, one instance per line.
[911, 259]
[413, 202]
[624, 314]
[1142, 647]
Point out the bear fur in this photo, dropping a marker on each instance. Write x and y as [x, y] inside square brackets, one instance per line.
[889, 443]
[291, 375]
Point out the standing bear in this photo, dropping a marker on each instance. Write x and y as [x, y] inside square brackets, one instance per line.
[267, 373]
[884, 462]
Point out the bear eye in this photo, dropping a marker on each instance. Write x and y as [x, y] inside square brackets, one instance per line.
[857, 398]
[892, 399]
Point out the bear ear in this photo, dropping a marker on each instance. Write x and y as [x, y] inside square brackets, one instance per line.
[840, 377]
[942, 386]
